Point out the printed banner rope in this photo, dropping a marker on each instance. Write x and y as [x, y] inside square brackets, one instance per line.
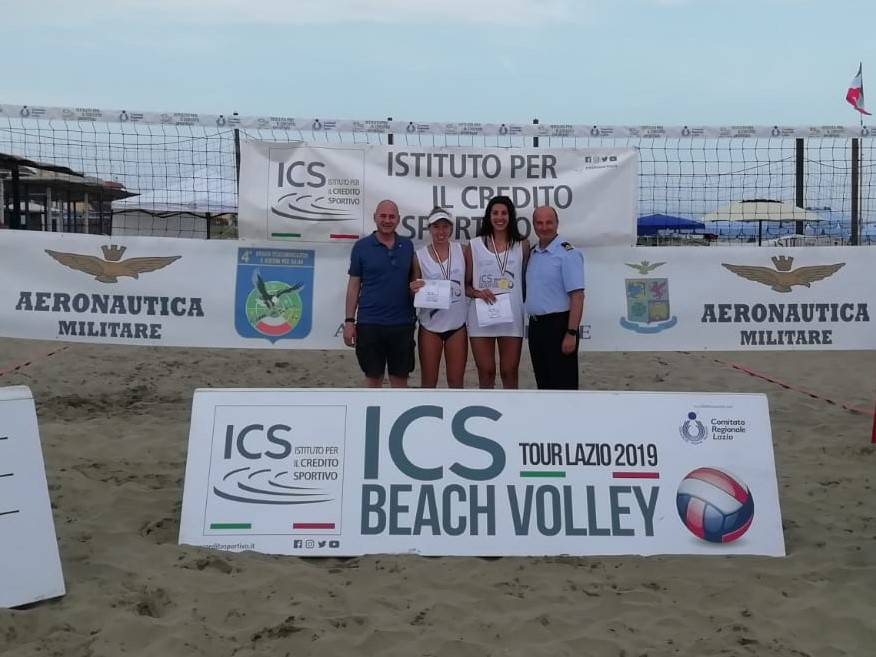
[307, 125]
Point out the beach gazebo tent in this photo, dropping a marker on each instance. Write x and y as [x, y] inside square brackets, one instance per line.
[652, 225]
[185, 208]
[760, 211]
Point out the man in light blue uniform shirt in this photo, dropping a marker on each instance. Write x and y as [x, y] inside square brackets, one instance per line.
[554, 303]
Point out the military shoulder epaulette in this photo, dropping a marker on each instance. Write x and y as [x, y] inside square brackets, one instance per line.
[567, 246]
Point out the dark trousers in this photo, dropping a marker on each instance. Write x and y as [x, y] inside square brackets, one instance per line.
[554, 370]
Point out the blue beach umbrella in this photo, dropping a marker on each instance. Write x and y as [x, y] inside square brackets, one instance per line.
[653, 224]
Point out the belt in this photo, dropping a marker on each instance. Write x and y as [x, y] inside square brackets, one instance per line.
[547, 316]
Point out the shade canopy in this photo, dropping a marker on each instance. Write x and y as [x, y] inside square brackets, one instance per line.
[653, 224]
[207, 191]
[761, 210]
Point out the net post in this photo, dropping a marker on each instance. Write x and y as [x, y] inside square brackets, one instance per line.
[47, 222]
[535, 139]
[27, 225]
[15, 215]
[798, 178]
[390, 138]
[237, 156]
[856, 180]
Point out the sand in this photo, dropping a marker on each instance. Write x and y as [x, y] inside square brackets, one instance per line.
[114, 426]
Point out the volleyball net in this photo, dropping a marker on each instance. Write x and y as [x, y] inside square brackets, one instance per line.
[175, 174]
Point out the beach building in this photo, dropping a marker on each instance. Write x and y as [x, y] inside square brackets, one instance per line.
[45, 196]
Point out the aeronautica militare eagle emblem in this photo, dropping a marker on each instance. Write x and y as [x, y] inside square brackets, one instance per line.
[111, 267]
[647, 301]
[783, 278]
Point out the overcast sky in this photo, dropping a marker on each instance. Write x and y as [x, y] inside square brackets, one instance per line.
[619, 62]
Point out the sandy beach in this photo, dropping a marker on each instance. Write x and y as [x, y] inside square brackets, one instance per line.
[114, 427]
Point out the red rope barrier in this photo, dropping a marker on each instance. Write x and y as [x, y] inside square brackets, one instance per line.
[19, 366]
[788, 386]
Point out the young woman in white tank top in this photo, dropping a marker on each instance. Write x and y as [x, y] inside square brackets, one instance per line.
[442, 331]
[495, 264]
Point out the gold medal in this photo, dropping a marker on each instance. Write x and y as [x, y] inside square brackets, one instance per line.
[503, 284]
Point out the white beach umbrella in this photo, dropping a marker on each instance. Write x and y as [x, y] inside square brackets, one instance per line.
[761, 210]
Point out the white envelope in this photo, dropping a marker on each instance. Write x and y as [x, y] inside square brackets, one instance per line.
[495, 313]
[434, 294]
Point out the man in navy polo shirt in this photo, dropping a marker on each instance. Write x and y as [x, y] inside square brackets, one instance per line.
[382, 331]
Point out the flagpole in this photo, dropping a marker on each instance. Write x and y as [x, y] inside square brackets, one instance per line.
[857, 237]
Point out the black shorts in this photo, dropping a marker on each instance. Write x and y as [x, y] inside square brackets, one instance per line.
[444, 335]
[382, 348]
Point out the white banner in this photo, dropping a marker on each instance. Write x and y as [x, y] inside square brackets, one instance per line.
[30, 568]
[179, 292]
[350, 472]
[729, 298]
[328, 193]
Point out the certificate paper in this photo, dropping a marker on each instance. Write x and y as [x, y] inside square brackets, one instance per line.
[496, 313]
[434, 294]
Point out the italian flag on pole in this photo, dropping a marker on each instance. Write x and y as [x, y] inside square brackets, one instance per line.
[855, 94]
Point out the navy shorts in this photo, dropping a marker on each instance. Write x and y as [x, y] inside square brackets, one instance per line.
[381, 349]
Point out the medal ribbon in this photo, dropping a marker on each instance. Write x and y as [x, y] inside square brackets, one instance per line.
[444, 272]
[503, 261]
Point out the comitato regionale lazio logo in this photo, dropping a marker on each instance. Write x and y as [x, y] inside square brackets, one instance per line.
[274, 293]
[692, 430]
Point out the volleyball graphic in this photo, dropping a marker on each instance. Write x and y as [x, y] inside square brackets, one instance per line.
[714, 505]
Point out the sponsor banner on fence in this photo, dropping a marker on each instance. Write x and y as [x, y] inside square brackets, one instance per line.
[30, 568]
[350, 472]
[328, 193]
[180, 292]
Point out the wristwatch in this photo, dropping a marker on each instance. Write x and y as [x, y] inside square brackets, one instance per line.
[572, 332]
[349, 320]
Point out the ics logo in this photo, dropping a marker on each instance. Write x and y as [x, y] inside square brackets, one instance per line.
[714, 505]
[307, 190]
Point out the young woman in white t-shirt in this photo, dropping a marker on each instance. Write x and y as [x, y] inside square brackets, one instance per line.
[442, 331]
[495, 264]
